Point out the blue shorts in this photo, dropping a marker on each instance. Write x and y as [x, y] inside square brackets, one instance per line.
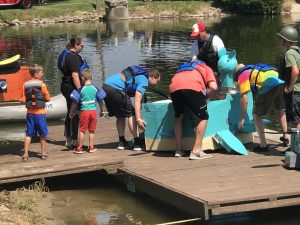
[36, 123]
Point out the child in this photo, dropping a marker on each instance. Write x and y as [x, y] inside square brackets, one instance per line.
[35, 96]
[87, 97]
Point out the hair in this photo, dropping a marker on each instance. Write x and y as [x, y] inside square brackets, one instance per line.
[74, 41]
[154, 73]
[35, 68]
[86, 74]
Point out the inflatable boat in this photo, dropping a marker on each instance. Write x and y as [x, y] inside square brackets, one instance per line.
[12, 78]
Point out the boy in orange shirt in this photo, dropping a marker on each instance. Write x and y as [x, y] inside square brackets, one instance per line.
[35, 96]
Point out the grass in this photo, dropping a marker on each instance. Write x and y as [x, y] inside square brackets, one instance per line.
[57, 8]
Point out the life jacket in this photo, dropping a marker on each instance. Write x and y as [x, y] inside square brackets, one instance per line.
[129, 75]
[61, 61]
[261, 67]
[207, 53]
[35, 98]
[189, 66]
[75, 95]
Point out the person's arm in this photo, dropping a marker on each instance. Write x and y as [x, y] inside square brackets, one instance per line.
[244, 106]
[76, 80]
[137, 107]
[46, 92]
[101, 108]
[294, 78]
[194, 51]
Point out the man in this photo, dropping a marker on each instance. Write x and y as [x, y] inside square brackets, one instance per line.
[206, 46]
[268, 89]
[288, 37]
[119, 87]
[188, 89]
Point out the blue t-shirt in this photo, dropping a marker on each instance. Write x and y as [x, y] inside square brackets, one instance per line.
[116, 81]
[88, 95]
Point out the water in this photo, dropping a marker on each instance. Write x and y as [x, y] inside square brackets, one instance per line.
[109, 48]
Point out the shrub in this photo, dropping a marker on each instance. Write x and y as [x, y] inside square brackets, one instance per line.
[266, 7]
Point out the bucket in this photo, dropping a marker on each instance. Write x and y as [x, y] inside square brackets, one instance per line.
[295, 140]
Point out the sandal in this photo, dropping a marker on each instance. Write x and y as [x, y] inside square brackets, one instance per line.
[44, 157]
[25, 158]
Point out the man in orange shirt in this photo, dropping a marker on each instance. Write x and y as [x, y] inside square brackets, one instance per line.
[35, 96]
[188, 89]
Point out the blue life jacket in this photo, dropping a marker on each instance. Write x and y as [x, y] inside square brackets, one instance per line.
[189, 66]
[75, 95]
[35, 98]
[261, 67]
[130, 73]
[62, 61]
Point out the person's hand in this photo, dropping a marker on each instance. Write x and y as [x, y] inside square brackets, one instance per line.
[71, 114]
[141, 123]
[102, 114]
[288, 90]
[241, 124]
[193, 59]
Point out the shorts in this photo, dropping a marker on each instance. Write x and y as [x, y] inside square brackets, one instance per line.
[87, 120]
[193, 100]
[292, 102]
[271, 99]
[117, 102]
[36, 123]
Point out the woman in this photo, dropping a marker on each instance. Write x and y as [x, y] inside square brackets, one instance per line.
[71, 63]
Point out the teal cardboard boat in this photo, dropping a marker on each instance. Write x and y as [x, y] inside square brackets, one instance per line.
[222, 128]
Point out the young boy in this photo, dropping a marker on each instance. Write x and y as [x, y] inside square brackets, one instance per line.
[35, 96]
[87, 97]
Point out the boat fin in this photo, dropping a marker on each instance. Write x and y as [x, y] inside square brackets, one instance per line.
[230, 142]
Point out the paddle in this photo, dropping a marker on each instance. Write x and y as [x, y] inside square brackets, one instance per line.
[158, 92]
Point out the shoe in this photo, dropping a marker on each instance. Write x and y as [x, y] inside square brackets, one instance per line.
[122, 145]
[137, 147]
[92, 149]
[199, 155]
[78, 150]
[179, 153]
[284, 141]
[261, 149]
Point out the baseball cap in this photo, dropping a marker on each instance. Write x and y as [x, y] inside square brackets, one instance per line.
[196, 28]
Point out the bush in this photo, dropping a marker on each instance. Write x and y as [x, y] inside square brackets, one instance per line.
[266, 7]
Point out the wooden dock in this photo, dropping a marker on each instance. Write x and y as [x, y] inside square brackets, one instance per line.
[224, 184]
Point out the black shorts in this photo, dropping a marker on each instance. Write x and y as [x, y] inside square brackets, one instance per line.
[271, 99]
[117, 102]
[193, 100]
[292, 102]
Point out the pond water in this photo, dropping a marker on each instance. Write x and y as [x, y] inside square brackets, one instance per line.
[109, 48]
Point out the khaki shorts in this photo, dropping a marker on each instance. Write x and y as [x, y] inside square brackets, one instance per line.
[271, 99]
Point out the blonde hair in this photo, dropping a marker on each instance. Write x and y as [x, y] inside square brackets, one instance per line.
[35, 68]
[87, 75]
[154, 73]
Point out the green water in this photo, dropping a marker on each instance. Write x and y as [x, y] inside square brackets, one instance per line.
[109, 48]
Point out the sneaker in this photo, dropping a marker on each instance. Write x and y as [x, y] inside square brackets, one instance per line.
[122, 145]
[179, 153]
[284, 141]
[137, 147]
[92, 149]
[78, 150]
[199, 155]
[261, 149]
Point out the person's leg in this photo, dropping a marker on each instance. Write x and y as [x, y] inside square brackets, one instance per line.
[283, 123]
[27, 142]
[91, 138]
[81, 139]
[132, 125]
[120, 123]
[178, 131]
[74, 129]
[200, 130]
[67, 131]
[259, 125]
[43, 147]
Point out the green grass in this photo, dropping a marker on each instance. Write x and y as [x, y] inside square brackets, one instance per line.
[57, 8]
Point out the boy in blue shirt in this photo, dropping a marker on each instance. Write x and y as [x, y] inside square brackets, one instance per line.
[88, 114]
